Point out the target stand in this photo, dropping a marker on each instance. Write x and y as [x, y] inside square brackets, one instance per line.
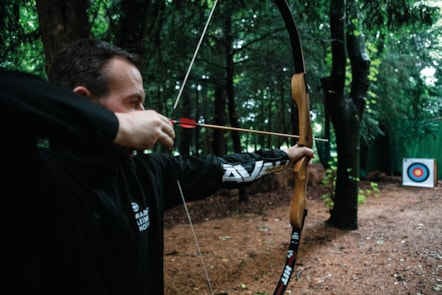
[419, 172]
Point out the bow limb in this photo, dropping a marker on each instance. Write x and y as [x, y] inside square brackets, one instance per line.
[301, 97]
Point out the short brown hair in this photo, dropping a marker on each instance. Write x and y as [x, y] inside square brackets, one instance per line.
[82, 63]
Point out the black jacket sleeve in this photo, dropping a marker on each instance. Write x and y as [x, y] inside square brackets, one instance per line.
[34, 108]
[244, 168]
[201, 177]
[31, 108]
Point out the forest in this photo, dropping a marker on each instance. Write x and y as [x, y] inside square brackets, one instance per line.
[373, 69]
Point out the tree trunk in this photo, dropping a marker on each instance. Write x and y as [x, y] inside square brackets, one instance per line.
[186, 133]
[360, 66]
[346, 114]
[196, 115]
[360, 69]
[219, 144]
[324, 148]
[138, 25]
[61, 22]
[230, 90]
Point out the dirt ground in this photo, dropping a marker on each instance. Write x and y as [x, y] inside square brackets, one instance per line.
[396, 250]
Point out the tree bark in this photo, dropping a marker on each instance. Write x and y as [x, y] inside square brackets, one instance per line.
[219, 144]
[138, 25]
[346, 113]
[186, 133]
[230, 89]
[61, 22]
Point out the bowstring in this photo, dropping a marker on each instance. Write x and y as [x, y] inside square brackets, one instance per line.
[194, 57]
[170, 116]
[198, 249]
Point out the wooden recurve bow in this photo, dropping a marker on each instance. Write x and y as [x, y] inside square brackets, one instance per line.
[300, 95]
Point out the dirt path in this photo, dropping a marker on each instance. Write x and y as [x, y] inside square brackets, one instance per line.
[396, 250]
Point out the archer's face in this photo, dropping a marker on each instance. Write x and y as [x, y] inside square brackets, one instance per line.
[126, 93]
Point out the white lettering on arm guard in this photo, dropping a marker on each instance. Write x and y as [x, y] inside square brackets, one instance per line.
[237, 173]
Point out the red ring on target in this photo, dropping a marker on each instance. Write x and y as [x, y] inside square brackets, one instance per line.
[418, 172]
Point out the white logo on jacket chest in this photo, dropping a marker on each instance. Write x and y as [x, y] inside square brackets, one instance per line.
[141, 216]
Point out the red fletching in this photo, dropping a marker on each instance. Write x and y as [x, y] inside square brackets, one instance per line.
[186, 123]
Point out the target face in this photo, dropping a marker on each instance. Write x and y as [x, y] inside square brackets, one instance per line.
[419, 172]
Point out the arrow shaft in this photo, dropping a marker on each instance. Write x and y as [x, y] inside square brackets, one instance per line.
[247, 130]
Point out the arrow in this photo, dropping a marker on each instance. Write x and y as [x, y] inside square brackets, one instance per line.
[189, 123]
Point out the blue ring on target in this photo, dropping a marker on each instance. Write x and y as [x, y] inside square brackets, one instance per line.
[418, 172]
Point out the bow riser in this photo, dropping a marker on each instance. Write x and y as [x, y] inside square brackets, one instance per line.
[301, 97]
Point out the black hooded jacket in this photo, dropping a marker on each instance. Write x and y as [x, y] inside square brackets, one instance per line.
[76, 218]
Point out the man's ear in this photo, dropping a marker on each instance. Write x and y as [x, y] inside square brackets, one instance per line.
[83, 91]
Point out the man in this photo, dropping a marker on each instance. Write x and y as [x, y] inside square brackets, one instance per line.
[38, 233]
[100, 213]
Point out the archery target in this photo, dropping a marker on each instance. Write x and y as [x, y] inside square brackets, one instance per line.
[419, 172]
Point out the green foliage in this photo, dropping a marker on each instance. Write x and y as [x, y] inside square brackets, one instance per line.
[102, 14]
[402, 41]
[373, 190]
[405, 98]
[330, 181]
[21, 48]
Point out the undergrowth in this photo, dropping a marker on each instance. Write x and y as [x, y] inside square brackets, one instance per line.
[330, 180]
